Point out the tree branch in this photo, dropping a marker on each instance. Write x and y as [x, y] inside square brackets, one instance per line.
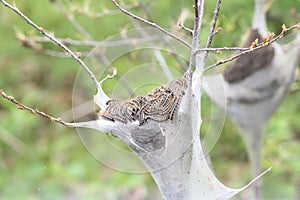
[251, 49]
[212, 29]
[33, 111]
[151, 24]
[188, 30]
[199, 11]
[93, 43]
[219, 49]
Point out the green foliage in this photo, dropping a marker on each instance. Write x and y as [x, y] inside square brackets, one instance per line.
[43, 160]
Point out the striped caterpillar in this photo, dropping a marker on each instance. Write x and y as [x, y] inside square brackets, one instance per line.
[160, 105]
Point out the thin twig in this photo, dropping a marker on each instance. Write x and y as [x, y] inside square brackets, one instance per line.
[249, 50]
[101, 55]
[157, 53]
[31, 110]
[199, 9]
[219, 49]
[104, 13]
[195, 38]
[151, 24]
[201, 14]
[106, 62]
[52, 38]
[32, 44]
[166, 40]
[129, 41]
[181, 25]
[72, 20]
[27, 43]
[60, 54]
[93, 43]
[163, 65]
[212, 28]
[123, 81]
[109, 76]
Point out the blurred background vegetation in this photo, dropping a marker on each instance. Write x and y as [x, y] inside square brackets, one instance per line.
[43, 160]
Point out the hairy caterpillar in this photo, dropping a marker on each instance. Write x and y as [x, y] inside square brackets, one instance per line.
[160, 105]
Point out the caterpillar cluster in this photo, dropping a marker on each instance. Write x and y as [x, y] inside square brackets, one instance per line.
[159, 106]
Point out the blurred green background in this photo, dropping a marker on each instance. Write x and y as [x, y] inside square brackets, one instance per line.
[44, 160]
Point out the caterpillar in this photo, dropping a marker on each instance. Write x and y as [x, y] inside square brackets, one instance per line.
[160, 105]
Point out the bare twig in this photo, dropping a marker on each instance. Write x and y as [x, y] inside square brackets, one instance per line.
[104, 13]
[100, 96]
[123, 81]
[52, 38]
[105, 61]
[212, 29]
[157, 53]
[151, 24]
[72, 20]
[89, 124]
[128, 41]
[199, 10]
[62, 54]
[93, 43]
[30, 42]
[33, 111]
[181, 25]
[32, 45]
[163, 64]
[98, 99]
[166, 40]
[251, 49]
[108, 76]
[219, 49]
